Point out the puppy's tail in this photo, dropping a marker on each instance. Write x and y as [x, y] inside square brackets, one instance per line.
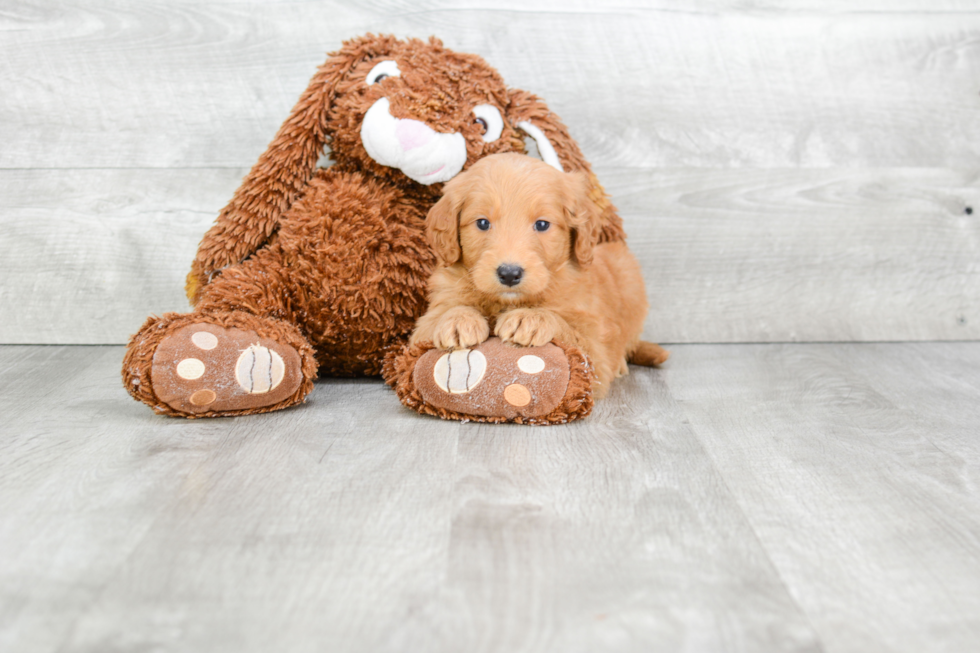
[649, 354]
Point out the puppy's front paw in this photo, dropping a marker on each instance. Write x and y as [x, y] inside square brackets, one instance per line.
[460, 328]
[527, 327]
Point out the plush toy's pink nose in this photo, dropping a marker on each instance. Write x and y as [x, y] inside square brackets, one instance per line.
[412, 134]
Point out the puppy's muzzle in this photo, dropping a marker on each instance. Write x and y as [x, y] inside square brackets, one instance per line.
[510, 275]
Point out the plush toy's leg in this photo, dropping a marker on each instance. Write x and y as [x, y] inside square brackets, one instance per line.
[209, 365]
[494, 382]
[239, 352]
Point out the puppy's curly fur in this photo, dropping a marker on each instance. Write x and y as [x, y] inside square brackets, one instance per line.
[519, 253]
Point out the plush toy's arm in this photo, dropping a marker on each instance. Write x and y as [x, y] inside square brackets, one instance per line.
[270, 188]
[530, 114]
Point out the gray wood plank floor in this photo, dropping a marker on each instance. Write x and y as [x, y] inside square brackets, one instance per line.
[819, 497]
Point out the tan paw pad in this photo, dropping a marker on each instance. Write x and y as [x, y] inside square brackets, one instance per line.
[459, 371]
[530, 364]
[205, 340]
[190, 369]
[517, 395]
[203, 397]
[494, 379]
[208, 368]
[259, 370]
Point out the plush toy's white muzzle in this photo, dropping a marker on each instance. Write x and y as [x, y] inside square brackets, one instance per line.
[413, 147]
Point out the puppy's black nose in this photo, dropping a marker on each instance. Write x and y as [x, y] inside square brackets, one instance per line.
[510, 275]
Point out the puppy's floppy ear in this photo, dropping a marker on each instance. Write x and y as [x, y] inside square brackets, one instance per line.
[582, 216]
[442, 226]
[283, 170]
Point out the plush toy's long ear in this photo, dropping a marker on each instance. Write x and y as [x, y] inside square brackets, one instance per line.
[531, 115]
[583, 217]
[281, 173]
[442, 227]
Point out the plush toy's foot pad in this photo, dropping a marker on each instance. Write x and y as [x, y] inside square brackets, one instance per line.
[494, 382]
[494, 379]
[206, 368]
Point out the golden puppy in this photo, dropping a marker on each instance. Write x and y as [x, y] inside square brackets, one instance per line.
[517, 245]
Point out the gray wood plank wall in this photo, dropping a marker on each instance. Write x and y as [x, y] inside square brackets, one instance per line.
[793, 171]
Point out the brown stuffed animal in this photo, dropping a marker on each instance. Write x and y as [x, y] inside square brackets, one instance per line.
[313, 268]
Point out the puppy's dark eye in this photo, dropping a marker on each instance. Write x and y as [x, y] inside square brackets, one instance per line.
[379, 78]
[483, 125]
[541, 225]
[483, 224]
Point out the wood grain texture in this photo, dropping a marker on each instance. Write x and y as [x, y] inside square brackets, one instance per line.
[89, 254]
[852, 490]
[788, 171]
[727, 84]
[225, 527]
[805, 255]
[932, 407]
[745, 497]
[728, 255]
[615, 534]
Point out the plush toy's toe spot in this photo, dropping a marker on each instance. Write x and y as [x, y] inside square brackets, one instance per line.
[190, 369]
[530, 364]
[204, 340]
[517, 395]
[203, 397]
[259, 370]
[459, 371]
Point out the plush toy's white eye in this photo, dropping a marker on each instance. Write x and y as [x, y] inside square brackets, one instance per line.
[489, 118]
[384, 69]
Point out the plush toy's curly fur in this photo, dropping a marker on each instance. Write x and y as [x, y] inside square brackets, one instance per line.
[336, 258]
